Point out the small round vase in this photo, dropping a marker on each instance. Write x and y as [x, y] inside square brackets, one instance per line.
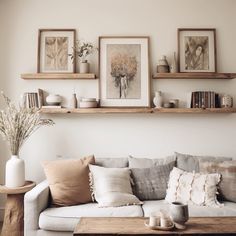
[84, 67]
[53, 99]
[158, 100]
[179, 214]
[15, 172]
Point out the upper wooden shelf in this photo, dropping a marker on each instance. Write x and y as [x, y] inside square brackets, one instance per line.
[189, 75]
[136, 110]
[65, 76]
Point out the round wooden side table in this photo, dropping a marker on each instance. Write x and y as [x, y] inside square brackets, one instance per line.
[13, 223]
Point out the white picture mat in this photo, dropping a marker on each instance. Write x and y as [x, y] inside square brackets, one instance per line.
[145, 76]
[210, 35]
[43, 35]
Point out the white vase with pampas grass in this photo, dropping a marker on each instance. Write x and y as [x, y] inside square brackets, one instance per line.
[16, 125]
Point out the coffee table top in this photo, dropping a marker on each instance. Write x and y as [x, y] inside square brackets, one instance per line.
[135, 226]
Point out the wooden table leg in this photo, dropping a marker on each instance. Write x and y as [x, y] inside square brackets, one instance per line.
[13, 224]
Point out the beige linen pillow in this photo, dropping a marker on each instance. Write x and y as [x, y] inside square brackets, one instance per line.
[193, 188]
[227, 169]
[69, 180]
[111, 186]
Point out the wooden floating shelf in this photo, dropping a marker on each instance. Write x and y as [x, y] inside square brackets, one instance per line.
[55, 76]
[136, 110]
[190, 75]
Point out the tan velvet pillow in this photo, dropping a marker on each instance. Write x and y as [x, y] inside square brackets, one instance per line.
[69, 180]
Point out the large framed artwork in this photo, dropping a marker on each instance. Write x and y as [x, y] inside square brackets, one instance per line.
[197, 50]
[124, 71]
[54, 47]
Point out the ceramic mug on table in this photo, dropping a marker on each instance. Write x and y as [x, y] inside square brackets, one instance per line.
[179, 214]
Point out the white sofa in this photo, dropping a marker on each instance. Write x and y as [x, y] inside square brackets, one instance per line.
[43, 220]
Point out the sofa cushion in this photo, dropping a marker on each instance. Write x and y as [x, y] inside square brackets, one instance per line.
[227, 169]
[192, 188]
[151, 183]
[229, 209]
[147, 162]
[69, 180]
[66, 218]
[112, 162]
[111, 186]
[191, 163]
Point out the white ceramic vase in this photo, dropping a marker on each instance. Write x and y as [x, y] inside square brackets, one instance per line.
[84, 67]
[53, 99]
[15, 172]
[158, 100]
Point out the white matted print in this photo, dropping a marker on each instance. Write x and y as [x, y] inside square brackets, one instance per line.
[124, 71]
[54, 48]
[197, 50]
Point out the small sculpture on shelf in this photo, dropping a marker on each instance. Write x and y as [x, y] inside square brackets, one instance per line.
[162, 65]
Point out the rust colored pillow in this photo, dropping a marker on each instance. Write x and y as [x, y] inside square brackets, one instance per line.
[69, 180]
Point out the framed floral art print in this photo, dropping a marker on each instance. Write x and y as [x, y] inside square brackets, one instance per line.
[124, 71]
[197, 50]
[54, 47]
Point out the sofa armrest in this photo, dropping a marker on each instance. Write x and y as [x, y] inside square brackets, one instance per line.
[35, 201]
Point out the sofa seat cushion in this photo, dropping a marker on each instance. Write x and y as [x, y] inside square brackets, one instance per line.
[229, 209]
[66, 218]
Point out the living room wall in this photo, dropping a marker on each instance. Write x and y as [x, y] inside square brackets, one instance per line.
[120, 135]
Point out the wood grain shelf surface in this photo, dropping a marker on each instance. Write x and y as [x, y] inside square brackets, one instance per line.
[190, 75]
[136, 110]
[55, 76]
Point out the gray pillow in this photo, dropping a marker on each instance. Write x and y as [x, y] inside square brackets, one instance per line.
[151, 183]
[146, 162]
[190, 163]
[112, 162]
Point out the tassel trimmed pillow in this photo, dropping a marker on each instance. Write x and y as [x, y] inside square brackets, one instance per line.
[111, 187]
[193, 188]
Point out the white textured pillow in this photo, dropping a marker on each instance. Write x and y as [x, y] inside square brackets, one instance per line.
[111, 186]
[193, 188]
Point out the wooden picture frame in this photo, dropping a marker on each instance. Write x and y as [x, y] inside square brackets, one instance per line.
[124, 71]
[54, 47]
[197, 50]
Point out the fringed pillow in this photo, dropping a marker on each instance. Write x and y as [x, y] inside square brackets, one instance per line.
[193, 188]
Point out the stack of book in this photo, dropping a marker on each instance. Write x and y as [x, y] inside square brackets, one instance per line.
[33, 99]
[205, 99]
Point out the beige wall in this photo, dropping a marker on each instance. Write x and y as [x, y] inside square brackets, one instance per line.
[118, 135]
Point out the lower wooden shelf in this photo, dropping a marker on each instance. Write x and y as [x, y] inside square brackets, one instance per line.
[136, 110]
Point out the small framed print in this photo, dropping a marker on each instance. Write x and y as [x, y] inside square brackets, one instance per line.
[54, 47]
[124, 71]
[197, 50]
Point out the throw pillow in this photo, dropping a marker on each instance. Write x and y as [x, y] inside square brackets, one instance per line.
[191, 163]
[227, 169]
[111, 186]
[151, 183]
[147, 163]
[121, 162]
[193, 188]
[69, 180]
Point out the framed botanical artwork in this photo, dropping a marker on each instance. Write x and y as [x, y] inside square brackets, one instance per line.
[197, 50]
[54, 47]
[124, 71]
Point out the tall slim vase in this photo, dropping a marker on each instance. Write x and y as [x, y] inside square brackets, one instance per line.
[15, 172]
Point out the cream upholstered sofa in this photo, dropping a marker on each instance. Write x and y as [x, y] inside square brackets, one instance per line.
[43, 220]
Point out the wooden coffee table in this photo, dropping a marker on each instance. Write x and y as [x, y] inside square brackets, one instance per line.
[135, 226]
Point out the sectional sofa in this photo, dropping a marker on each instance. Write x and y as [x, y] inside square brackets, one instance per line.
[41, 219]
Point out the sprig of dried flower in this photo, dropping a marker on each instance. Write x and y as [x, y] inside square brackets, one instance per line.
[82, 50]
[17, 124]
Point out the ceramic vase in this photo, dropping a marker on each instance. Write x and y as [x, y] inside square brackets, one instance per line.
[53, 99]
[73, 101]
[158, 100]
[84, 67]
[15, 172]
[179, 214]
[226, 101]
[173, 68]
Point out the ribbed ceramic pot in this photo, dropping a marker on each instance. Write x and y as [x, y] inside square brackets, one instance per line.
[15, 172]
